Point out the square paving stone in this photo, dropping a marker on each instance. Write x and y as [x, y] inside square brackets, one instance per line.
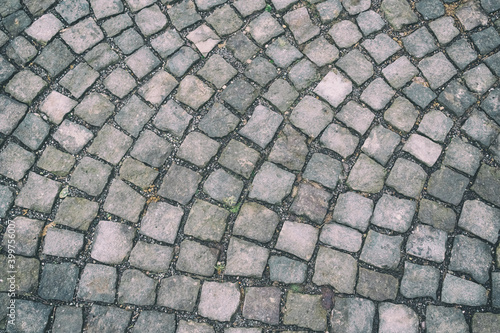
[430, 9]
[262, 304]
[179, 63]
[56, 106]
[377, 286]
[461, 53]
[158, 87]
[136, 288]
[445, 319]
[435, 125]
[370, 22]
[239, 158]
[172, 118]
[486, 40]
[240, 95]
[245, 258]
[427, 243]
[151, 149]
[107, 318]
[105, 8]
[217, 71]
[88, 29]
[281, 94]
[287, 270]
[480, 128]
[298, 304]
[204, 39]
[419, 281]
[167, 43]
[300, 24]
[493, 62]
[142, 62]
[283, 53]
[137, 173]
[116, 24]
[110, 144]
[79, 79]
[123, 201]
[113, 242]
[290, 149]
[377, 94]
[382, 250]
[479, 79]
[471, 256]
[198, 149]
[398, 13]
[393, 213]
[264, 28]
[311, 202]
[334, 88]
[27, 274]
[437, 215]
[95, 109]
[480, 219]
[329, 10]
[345, 34]
[206, 221]
[150, 20]
[456, 98]
[397, 318]
[218, 122]
[491, 105]
[153, 321]
[224, 20]
[246, 8]
[303, 74]
[180, 184]
[241, 47]
[62, 243]
[401, 114]
[178, 292]
[6, 199]
[456, 290]
[39, 193]
[193, 92]
[26, 237]
[356, 117]
[161, 222]
[262, 126]
[321, 52]
[101, 56]
[380, 144]
[67, 318]
[183, 14]
[20, 51]
[151, 257]
[437, 69]
[447, 185]
[90, 176]
[423, 149]
[462, 156]
[219, 300]
[119, 82]
[271, 184]
[356, 66]
[261, 71]
[25, 86]
[298, 239]
[354, 210]
[352, 315]
[366, 175]
[406, 177]
[76, 213]
[16, 22]
[58, 281]
[30, 316]
[419, 43]
[420, 94]
[129, 41]
[196, 258]
[256, 222]
[400, 72]
[15, 161]
[10, 7]
[444, 29]
[381, 47]
[324, 170]
[336, 269]
[11, 113]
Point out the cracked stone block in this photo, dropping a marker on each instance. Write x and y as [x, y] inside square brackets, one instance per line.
[151, 149]
[16, 22]
[419, 281]
[27, 235]
[400, 72]
[39, 193]
[67, 319]
[397, 318]
[324, 170]
[444, 29]
[334, 88]
[345, 34]
[321, 52]
[300, 24]
[393, 213]
[430, 9]
[56, 161]
[381, 250]
[462, 156]
[435, 125]
[161, 222]
[262, 304]
[247, 8]
[204, 39]
[58, 281]
[283, 53]
[151, 257]
[281, 94]
[179, 63]
[95, 109]
[158, 87]
[193, 92]
[31, 315]
[224, 20]
[239, 158]
[471, 256]
[271, 184]
[353, 315]
[142, 62]
[219, 300]
[377, 94]
[445, 319]
[101, 57]
[381, 47]
[419, 43]
[116, 24]
[447, 185]
[460, 291]
[180, 184]
[298, 304]
[25, 86]
[491, 105]
[27, 275]
[129, 41]
[90, 176]
[480, 128]
[398, 13]
[123, 201]
[110, 144]
[262, 126]
[241, 47]
[197, 258]
[172, 118]
[256, 222]
[56, 106]
[437, 69]
[113, 242]
[423, 149]
[167, 43]
[428, 243]
[245, 258]
[105, 8]
[437, 215]
[62, 243]
[77, 213]
[198, 149]
[136, 288]
[153, 321]
[456, 98]
[261, 71]
[303, 74]
[329, 10]
[479, 79]
[79, 79]
[183, 14]
[178, 292]
[6, 199]
[264, 28]
[72, 136]
[107, 318]
[137, 173]
[356, 66]
[401, 114]
[217, 71]
[354, 210]
[486, 40]
[20, 51]
[480, 219]
[406, 177]
[356, 117]
[290, 149]
[377, 286]
[218, 122]
[150, 20]
[119, 82]
[366, 175]
[15, 161]
[287, 270]
[420, 94]
[461, 53]
[336, 269]
[83, 35]
[206, 221]
[311, 202]
[298, 239]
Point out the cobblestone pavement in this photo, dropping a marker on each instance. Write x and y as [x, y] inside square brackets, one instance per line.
[247, 166]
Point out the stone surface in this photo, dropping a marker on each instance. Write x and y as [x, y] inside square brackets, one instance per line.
[298, 304]
[447, 185]
[393, 213]
[419, 281]
[298, 239]
[271, 184]
[336, 269]
[219, 301]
